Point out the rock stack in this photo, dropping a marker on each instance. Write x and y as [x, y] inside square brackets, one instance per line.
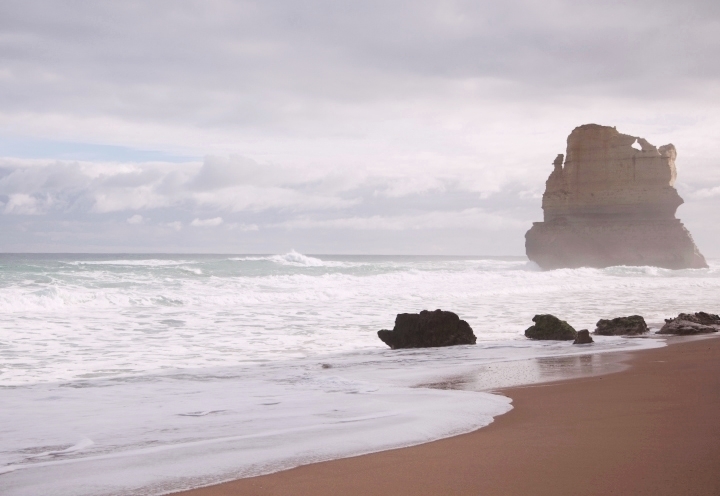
[608, 203]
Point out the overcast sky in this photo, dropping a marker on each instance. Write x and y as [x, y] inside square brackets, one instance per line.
[418, 127]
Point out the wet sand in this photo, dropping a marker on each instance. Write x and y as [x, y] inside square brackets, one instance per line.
[653, 428]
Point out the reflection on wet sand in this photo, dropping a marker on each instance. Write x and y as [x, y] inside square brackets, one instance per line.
[502, 375]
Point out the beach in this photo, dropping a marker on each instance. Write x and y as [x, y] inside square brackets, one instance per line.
[650, 429]
[149, 375]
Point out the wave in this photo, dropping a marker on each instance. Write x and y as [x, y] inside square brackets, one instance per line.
[295, 258]
[193, 270]
[138, 263]
[278, 306]
[79, 446]
[291, 258]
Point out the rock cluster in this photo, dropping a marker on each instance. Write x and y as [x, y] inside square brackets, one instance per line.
[608, 203]
[426, 330]
[622, 326]
[550, 327]
[687, 324]
[434, 329]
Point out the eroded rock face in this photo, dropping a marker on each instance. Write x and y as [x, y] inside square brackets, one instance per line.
[608, 203]
[622, 326]
[583, 337]
[427, 330]
[550, 327]
[687, 324]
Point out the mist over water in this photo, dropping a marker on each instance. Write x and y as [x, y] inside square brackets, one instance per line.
[123, 371]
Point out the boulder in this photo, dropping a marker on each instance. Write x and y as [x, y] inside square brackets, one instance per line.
[610, 201]
[687, 324]
[550, 327]
[622, 326]
[427, 330]
[583, 337]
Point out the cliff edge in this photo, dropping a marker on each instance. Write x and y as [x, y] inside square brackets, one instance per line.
[611, 201]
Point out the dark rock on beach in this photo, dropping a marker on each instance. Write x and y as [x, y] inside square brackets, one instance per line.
[622, 326]
[427, 330]
[583, 337]
[687, 324]
[550, 327]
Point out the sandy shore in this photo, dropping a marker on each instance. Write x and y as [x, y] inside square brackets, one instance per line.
[652, 429]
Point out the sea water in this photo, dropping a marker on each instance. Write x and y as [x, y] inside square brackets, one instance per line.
[145, 374]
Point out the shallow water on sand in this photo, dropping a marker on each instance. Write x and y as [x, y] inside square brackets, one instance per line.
[145, 374]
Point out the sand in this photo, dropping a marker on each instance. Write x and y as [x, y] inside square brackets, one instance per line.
[652, 429]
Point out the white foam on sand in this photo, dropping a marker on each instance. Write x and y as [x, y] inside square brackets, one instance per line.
[156, 433]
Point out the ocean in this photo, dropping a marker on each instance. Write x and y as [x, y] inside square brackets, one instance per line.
[145, 374]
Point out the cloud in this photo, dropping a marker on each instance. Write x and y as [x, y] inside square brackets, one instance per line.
[22, 204]
[34, 186]
[473, 218]
[165, 197]
[704, 193]
[232, 184]
[354, 117]
[274, 79]
[244, 227]
[216, 221]
[258, 198]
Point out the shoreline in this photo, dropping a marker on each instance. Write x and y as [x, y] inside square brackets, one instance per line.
[650, 428]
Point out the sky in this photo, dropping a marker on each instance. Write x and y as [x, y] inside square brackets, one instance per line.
[347, 127]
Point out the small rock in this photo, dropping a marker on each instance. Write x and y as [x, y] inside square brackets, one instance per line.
[427, 330]
[583, 337]
[622, 326]
[687, 324]
[550, 327]
[326, 366]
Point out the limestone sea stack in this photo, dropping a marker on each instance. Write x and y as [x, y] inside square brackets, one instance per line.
[607, 203]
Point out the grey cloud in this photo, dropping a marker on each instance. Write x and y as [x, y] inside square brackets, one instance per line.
[704, 193]
[217, 173]
[368, 118]
[229, 183]
[234, 184]
[214, 63]
[215, 221]
[236, 194]
[473, 218]
[123, 206]
[254, 200]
